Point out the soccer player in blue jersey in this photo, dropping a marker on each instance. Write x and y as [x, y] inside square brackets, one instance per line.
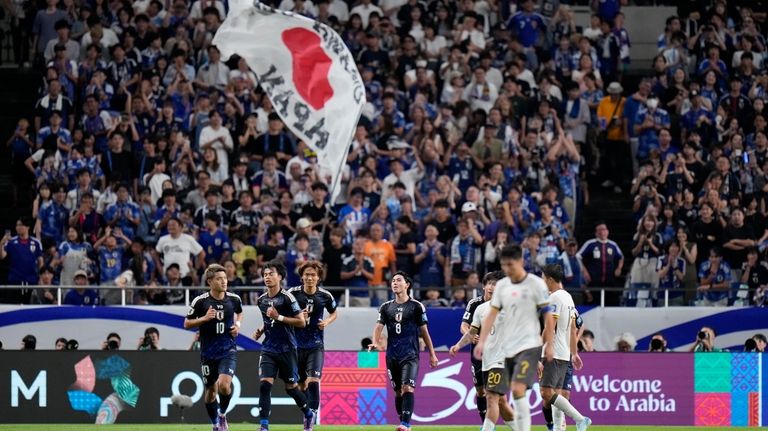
[314, 301]
[281, 314]
[218, 314]
[406, 320]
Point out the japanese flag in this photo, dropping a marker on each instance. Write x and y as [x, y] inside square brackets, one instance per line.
[306, 70]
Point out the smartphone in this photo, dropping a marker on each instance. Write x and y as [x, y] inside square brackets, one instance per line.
[745, 157]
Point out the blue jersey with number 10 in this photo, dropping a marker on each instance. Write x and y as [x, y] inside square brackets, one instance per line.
[215, 340]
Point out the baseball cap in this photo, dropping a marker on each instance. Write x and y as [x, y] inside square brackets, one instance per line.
[303, 223]
[80, 273]
[468, 207]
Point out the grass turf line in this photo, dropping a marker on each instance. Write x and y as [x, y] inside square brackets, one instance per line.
[253, 427]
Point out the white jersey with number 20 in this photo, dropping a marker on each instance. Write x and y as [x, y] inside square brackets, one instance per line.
[493, 352]
[520, 303]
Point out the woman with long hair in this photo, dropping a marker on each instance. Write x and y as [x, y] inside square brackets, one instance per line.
[689, 251]
[646, 248]
[214, 167]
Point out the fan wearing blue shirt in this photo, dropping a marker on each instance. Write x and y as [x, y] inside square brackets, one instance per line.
[714, 280]
[25, 257]
[80, 295]
[123, 213]
[53, 218]
[527, 25]
[111, 261]
[214, 241]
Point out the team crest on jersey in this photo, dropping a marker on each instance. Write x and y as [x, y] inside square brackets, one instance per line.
[398, 317]
[609, 251]
[32, 247]
[217, 241]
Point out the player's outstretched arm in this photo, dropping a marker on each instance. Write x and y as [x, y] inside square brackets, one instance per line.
[195, 322]
[428, 342]
[464, 340]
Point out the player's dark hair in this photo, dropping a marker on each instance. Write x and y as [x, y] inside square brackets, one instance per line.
[493, 277]
[554, 271]
[313, 264]
[212, 270]
[276, 266]
[405, 276]
[512, 251]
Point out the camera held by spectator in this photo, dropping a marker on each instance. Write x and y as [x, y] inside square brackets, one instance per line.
[658, 344]
[29, 342]
[150, 340]
[705, 341]
[756, 343]
[112, 342]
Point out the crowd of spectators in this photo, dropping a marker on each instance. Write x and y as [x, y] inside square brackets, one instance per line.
[150, 157]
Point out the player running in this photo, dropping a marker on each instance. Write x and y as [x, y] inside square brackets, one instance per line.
[313, 300]
[218, 314]
[280, 313]
[405, 319]
[521, 296]
[554, 372]
[491, 369]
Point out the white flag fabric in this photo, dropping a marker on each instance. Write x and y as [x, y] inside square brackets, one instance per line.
[306, 71]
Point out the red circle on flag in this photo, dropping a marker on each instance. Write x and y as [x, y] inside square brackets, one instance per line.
[310, 66]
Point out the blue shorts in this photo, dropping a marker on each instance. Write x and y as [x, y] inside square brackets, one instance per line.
[310, 363]
[568, 381]
[279, 365]
[212, 368]
[402, 373]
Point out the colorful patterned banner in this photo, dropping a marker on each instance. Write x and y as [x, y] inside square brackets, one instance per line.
[706, 389]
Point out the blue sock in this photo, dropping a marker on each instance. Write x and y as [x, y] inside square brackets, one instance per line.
[224, 402]
[313, 395]
[300, 399]
[408, 402]
[265, 402]
[213, 411]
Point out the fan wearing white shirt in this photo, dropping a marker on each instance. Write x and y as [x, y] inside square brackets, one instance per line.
[177, 247]
[217, 137]
[564, 342]
[521, 297]
[365, 9]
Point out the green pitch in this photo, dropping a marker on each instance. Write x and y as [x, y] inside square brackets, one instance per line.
[254, 427]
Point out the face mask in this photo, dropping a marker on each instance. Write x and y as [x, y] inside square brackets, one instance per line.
[652, 103]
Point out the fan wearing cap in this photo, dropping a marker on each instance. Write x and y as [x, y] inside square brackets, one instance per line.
[304, 227]
[81, 294]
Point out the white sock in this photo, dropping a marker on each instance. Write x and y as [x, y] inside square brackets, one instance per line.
[558, 418]
[522, 414]
[566, 406]
[511, 424]
[488, 425]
